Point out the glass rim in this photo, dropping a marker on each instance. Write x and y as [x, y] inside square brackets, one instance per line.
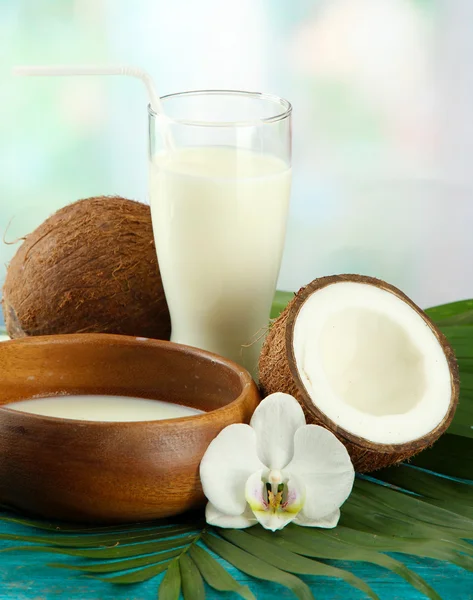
[285, 106]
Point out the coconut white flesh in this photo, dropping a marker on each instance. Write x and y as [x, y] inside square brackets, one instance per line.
[371, 364]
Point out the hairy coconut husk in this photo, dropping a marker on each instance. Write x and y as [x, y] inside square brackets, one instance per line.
[278, 373]
[90, 267]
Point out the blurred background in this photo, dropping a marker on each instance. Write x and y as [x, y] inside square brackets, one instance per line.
[383, 135]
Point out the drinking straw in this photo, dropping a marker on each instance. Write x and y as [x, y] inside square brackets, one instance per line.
[66, 70]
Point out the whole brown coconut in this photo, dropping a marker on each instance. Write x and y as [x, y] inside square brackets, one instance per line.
[349, 333]
[90, 267]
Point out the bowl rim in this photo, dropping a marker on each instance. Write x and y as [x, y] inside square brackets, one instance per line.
[106, 339]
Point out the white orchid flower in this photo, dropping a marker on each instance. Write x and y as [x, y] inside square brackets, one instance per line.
[275, 471]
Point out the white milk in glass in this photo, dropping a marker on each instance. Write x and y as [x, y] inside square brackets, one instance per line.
[219, 219]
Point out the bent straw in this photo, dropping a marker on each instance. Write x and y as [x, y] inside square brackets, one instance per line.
[81, 70]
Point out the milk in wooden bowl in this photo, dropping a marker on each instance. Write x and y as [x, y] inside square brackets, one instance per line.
[121, 424]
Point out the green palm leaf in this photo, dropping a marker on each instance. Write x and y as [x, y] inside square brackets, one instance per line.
[362, 540]
[316, 545]
[455, 313]
[286, 560]
[191, 579]
[139, 575]
[93, 541]
[120, 565]
[256, 567]
[118, 551]
[422, 548]
[451, 455]
[367, 515]
[61, 527]
[399, 505]
[170, 587]
[280, 301]
[439, 491]
[216, 576]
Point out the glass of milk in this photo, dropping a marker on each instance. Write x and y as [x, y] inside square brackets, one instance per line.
[219, 203]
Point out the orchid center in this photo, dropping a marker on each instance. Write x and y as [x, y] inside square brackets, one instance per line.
[275, 498]
[275, 490]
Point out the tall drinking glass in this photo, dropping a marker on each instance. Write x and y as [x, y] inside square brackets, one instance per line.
[219, 203]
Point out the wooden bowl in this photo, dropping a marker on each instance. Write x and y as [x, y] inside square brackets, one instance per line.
[89, 471]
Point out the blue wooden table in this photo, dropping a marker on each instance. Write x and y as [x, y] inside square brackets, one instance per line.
[24, 576]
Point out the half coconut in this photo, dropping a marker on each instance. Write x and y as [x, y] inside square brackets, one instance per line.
[365, 362]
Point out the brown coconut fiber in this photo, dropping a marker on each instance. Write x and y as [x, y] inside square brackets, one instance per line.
[90, 267]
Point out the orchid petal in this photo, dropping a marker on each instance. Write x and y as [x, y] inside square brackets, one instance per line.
[228, 462]
[274, 521]
[322, 462]
[266, 516]
[215, 517]
[296, 495]
[255, 492]
[276, 420]
[328, 522]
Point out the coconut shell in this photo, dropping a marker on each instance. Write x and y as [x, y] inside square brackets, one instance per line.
[278, 373]
[90, 267]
